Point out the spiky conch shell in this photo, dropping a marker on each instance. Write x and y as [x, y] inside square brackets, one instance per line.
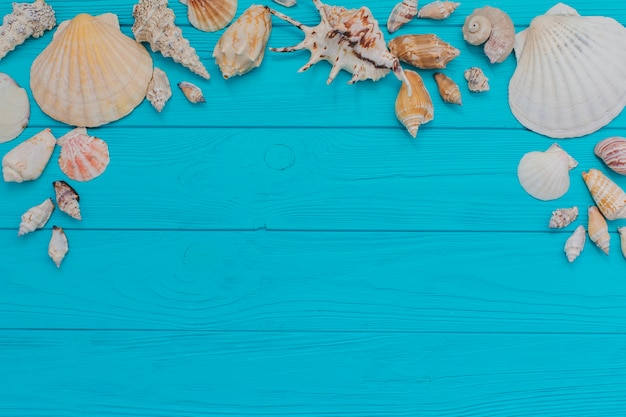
[575, 244]
[401, 14]
[210, 15]
[349, 39]
[242, 46]
[36, 217]
[82, 157]
[154, 23]
[58, 246]
[26, 20]
[598, 229]
[27, 160]
[14, 109]
[609, 197]
[563, 217]
[414, 108]
[159, 89]
[424, 51]
[73, 84]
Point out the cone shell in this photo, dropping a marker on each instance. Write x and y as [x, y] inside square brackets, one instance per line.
[82, 157]
[575, 243]
[438, 10]
[159, 90]
[477, 82]
[448, 89]
[570, 78]
[26, 20]
[423, 51]
[414, 108]
[14, 108]
[545, 175]
[612, 151]
[27, 160]
[210, 15]
[563, 217]
[36, 217]
[494, 28]
[401, 14]
[76, 86]
[67, 199]
[622, 239]
[609, 197]
[192, 92]
[242, 46]
[58, 246]
[598, 229]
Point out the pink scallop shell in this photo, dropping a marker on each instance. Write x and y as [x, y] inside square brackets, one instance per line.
[83, 157]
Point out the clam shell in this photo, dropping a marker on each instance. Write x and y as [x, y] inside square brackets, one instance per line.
[210, 15]
[598, 229]
[477, 82]
[423, 51]
[401, 14]
[67, 199]
[27, 160]
[438, 10]
[36, 217]
[73, 84]
[575, 244]
[494, 28]
[192, 92]
[82, 157]
[58, 246]
[14, 108]
[159, 90]
[448, 89]
[563, 217]
[545, 175]
[414, 108]
[612, 151]
[609, 197]
[570, 78]
[622, 239]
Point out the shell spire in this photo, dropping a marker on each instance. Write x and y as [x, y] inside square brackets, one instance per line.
[26, 20]
[154, 23]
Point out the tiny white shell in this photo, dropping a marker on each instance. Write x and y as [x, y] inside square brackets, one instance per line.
[477, 82]
[563, 217]
[192, 92]
[575, 243]
[58, 246]
[545, 175]
[36, 217]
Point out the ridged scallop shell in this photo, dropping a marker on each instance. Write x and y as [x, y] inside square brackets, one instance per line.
[192, 92]
[575, 244]
[242, 46]
[448, 89]
[67, 199]
[612, 151]
[401, 14]
[570, 78]
[36, 217]
[563, 217]
[426, 51]
[76, 86]
[210, 15]
[58, 246]
[27, 160]
[598, 229]
[14, 108]
[82, 157]
[159, 89]
[609, 197]
[26, 20]
[438, 10]
[414, 108]
[545, 175]
[477, 81]
[494, 28]
[622, 239]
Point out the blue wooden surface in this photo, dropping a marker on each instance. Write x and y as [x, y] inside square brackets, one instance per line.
[286, 249]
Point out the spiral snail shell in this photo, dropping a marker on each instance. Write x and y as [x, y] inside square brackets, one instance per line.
[494, 28]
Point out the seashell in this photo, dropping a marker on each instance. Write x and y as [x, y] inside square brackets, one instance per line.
[438, 10]
[570, 78]
[286, 3]
[27, 160]
[242, 46]
[423, 51]
[14, 108]
[575, 244]
[609, 197]
[622, 238]
[477, 82]
[612, 151]
[82, 157]
[154, 23]
[58, 246]
[36, 217]
[563, 217]
[598, 229]
[26, 20]
[349, 39]
[414, 107]
[545, 175]
[67, 199]
[494, 28]
[401, 14]
[210, 15]
[192, 92]
[76, 86]
[159, 90]
[448, 89]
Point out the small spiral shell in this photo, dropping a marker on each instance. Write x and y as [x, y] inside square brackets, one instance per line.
[493, 27]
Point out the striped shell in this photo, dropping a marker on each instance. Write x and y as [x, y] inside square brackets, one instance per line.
[562, 217]
[401, 14]
[82, 157]
[424, 51]
[448, 89]
[609, 197]
[438, 10]
[612, 151]
[598, 229]
[210, 15]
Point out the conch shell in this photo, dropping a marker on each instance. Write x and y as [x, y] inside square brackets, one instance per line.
[192, 92]
[612, 151]
[414, 106]
[494, 28]
[36, 217]
[27, 160]
[477, 82]
[598, 229]
[159, 90]
[26, 20]
[448, 89]
[242, 46]
[545, 175]
[210, 15]
[58, 246]
[622, 239]
[75, 85]
[423, 51]
[609, 197]
[438, 10]
[67, 199]
[575, 243]
[82, 157]
[349, 39]
[14, 108]
[154, 23]
[401, 14]
[563, 217]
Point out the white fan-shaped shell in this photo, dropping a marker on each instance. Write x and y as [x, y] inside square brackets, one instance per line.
[545, 175]
[570, 78]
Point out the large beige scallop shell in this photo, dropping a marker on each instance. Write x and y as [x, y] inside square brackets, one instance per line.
[598, 229]
[612, 151]
[210, 15]
[424, 51]
[575, 244]
[609, 197]
[82, 157]
[401, 14]
[494, 28]
[91, 73]
[413, 104]
[14, 109]
[570, 78]
[27, 160]
[545, 175]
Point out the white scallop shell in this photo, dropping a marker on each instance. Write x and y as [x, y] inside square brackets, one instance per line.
[545, 175]
[570, 78]
[575, 244]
